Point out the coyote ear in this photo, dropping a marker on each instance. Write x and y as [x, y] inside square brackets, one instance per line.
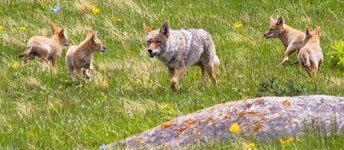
[307, 32]
[280, 21]
[94, 37]
[165, 30]
[90, 33]
[54, 28]
[317, 30]
[63, 32]
[271, 19]
[146, 28]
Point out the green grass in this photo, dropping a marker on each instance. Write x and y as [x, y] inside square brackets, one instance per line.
[39, 109]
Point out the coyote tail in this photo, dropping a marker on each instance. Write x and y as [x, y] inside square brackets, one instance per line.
[27, 51]
[305, 61]
[216, 60]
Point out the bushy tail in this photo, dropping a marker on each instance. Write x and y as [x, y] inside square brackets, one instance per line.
[305, 61]
[216, 60]
[27, 51]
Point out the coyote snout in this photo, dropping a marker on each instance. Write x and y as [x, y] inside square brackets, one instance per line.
[152, 53]
[271, 34]
[66, 43]
[101, 48]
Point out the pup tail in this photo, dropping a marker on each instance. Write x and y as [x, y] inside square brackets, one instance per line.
[216, 60]
[305, 61]
[27, 51]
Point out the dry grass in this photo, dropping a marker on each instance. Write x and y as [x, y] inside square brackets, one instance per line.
[24, 109]
[33, 83]
[84, 6]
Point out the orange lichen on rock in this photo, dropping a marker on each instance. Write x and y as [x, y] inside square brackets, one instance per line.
[252, 113]
[241, 113]
[177, 135]
[286, 103]
[183, 128]
[259, 100]
[189, 121]
[247, 113]
[166, 125]
[257, 127]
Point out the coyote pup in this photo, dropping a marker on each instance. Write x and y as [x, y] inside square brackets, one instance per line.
[178, 49]
[310, 56]
[46, 48]
[291, 38]
[80, 56]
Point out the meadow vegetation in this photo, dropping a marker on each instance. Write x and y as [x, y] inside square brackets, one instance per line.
[130, 91]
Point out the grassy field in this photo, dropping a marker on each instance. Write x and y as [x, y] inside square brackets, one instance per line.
[130, 92]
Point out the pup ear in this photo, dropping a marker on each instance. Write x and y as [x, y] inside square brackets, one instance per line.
[165, 30]
[307, 32]
[63, 32]
[54, 29]
[271, 19]
[146, 28]
[90, 33]
[94, 37]
[317, 30]
[280, 21]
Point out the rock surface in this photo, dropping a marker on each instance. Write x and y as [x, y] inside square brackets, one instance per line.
[266, 118]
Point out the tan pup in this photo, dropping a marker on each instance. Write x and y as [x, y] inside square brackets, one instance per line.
[291, 38]
[46, 48]
[310, 56]
[80, 57]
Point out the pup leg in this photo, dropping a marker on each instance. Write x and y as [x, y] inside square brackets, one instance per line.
[71, 72]
[86, 70]
[314, 68]
[43, 62]
[287, 53]
[319, 64]
[53, 61]
[180, 71]
[78, 73]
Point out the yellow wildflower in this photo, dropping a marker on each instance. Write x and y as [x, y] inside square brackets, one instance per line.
[235, 128]
[282, 141]
[22, 29]
[251, 144]
[138, 140]
[1, 27]
[95, 11]
[14, 65]
[290, 139]
[237, 25]
[45, 4]
[165, 106]
[286, 141]
[118, 20]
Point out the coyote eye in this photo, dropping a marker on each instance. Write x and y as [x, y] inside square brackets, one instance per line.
[158, 41]
[271, 29]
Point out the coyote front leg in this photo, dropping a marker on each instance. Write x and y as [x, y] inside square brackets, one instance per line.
[180, 71]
